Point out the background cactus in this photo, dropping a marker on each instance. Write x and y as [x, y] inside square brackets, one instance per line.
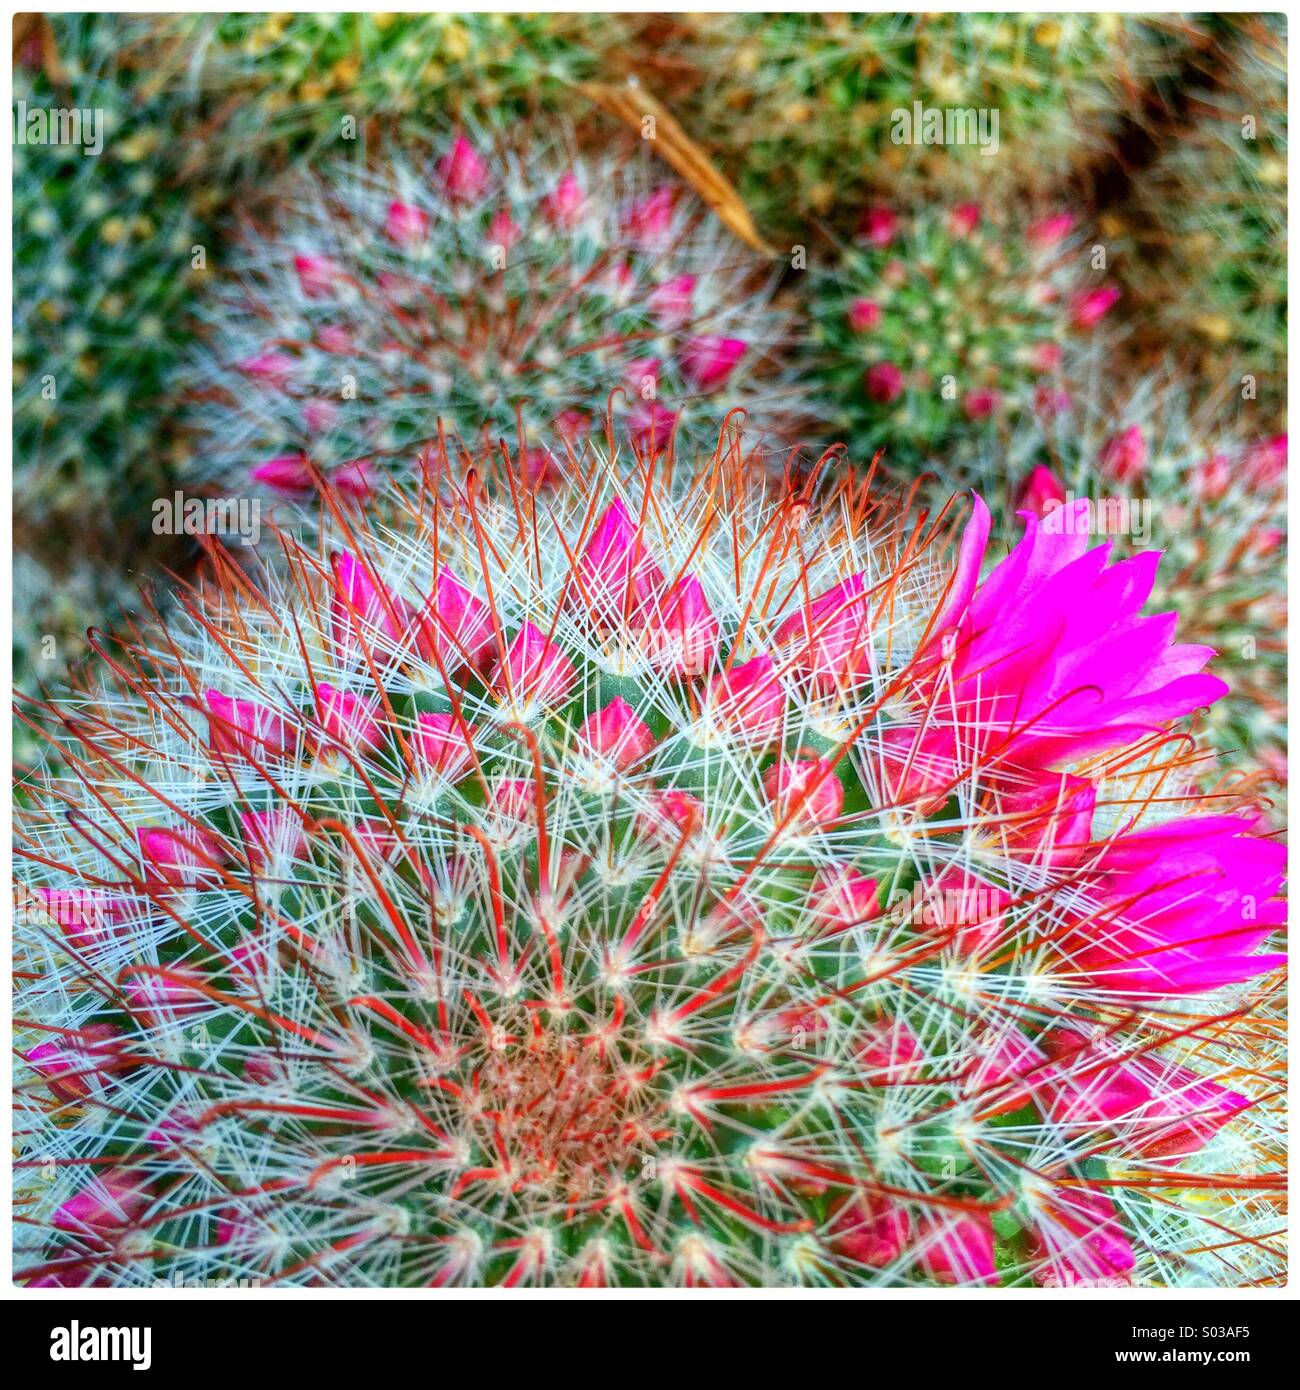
[801, 106]
[482, 287]
[938, 329]
[615, 885]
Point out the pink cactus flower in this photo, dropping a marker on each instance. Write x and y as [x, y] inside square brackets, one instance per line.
[362, 610]
[1079, 1240]
[335, 338]
[1212, 477]
[443, 745]
[884, 382]
[672, 302]
[681, 635]
[244, 728]
[958, 1249]
[1050, 231]
[572, 426]
[159, 999]
[615, 579]
[564, 206]
[71, 1064]
[317, 275]
[964, 911]
[649, 220]
[1124, 456]
[980, 404]
[963, 220]
[1051, 659]
[1264, 464]
[843, 897]
[273, 368]
[748, 700]
[828, 642]
[1050, 401]
[615, 734]
[671, 815]
[354, 479]
[319, 415]
[1089, 307]
[463, 172]
[110, 1201]
[878, 226]
[183, 857]
[535, 669]
[888, 1053]
[1180, 908]
[456, 628]
[650, 426]
[872, 1230]
[288, 474]
[804, 792]
[405, 224]
[503, 230]
[641, 377]
[864, 315]
[1040, 493]
[1045, 357]
[88, 917]
[709, 361]
[348, 718]
[271, 834]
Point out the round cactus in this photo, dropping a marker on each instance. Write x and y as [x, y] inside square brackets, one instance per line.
[939, 329]
[651, 879]
[476, 292]
[1159, 469]
[1208, 225]
[805, 108]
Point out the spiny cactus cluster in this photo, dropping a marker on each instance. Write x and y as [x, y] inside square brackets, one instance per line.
[651, 879]
[941, 327]
[1166, 467]
[309, 82]
[804, 106]
[484, 289]
[1209, 225]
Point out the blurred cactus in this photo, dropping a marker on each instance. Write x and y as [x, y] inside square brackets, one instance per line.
[480, 287]
[938, 329]
[802, 106]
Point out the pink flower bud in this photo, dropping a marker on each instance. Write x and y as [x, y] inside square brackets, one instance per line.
[440, 747]
[884, 382]
[274, 368]
[878, 226]
[843, 897]
[88, 916]
[535, 669]
[1089, 307]
[1049, 231]
[463, 173]
[182, 857]
[243, 728]
[804, 793]
[273, 834]
[318, 415]
[615, 578]
[1050, 401]
[71, 1064]
[888, 1053]
[617, 735]
[455, 629]
[503, 231]
[159, 999]
[1045, 357]
[572, 425]
[671, 302]
[563, 206]
[110, 1201]
[871, 1230]
[963, 220]
[1124, 456]
[1212, 477]
[980, 404]
[362, 608]
[827, 642]
[1040, 493]
[682, 636]
[707, 362]
[513, 801]
[650, 219]
[748, 701]
[335, 338]
[894, 273]
[650, 426]
[317, 275]
[1264, 464]
[405, 224]
[287, 474]
[864, 315]
[641, 377]
[353, 479]
[1264, 540]
[669, 816]
[348, 718]
[959, 1249]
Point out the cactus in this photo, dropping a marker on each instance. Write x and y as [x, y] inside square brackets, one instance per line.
[802, 107]
[939, 329]
[477, 290]
[1169, 467]
[660, 877]
[1206, 227]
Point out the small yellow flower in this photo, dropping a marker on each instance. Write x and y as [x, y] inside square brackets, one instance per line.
[113, 230]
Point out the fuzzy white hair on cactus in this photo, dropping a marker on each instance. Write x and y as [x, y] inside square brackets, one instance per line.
[619, 883]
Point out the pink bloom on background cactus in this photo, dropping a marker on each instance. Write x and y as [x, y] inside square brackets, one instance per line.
[1052, 230]
[565, 204]
[708, 361]
[406, 224]
[1089, 307]
[979, 405]
[1040, 493]
[864, 315]
[648, 221]
[878, 226]
[1124, 456]
[463, 172]
[963, 220]
[884, 382]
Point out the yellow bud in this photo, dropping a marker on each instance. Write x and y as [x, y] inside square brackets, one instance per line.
[1048, 34]
[312, 91]
[1216, 327]
[797, 113]
[383, 20]
[821, 196]
[1110, 225]
[113, 230]
[1272, 172]
[346, 70]
[138, 146]
[455, 43]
